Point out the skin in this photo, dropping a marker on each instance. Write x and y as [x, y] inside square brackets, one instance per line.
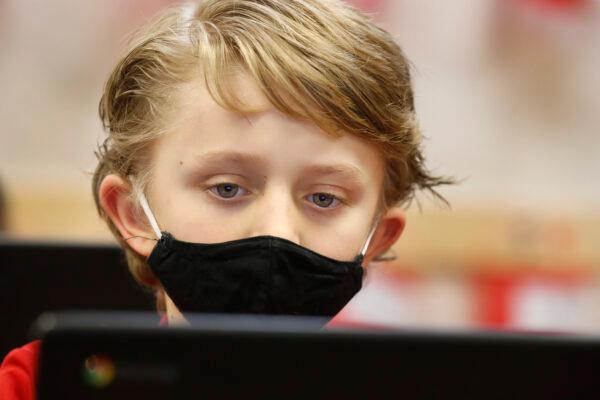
[220, 176]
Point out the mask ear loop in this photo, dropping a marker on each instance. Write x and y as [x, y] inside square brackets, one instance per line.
[150, 215]
[363, 250]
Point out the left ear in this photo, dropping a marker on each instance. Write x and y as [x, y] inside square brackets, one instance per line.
[390, 227]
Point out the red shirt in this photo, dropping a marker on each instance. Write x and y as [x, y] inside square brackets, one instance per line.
[18, 373]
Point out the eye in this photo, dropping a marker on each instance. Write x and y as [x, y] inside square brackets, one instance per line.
[226, 190]
[324, 200]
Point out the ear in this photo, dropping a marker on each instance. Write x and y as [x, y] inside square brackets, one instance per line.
[115, 196]
[390, 227]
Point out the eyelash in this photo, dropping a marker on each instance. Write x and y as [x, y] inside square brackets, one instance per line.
[214, 189]
[335, 200]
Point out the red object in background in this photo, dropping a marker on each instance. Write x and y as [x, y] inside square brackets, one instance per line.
[556, 5]
[498, 297]
[492, 296]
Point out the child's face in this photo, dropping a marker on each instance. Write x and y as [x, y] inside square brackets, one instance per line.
[218, 176]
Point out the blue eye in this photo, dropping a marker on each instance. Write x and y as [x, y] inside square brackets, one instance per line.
[323, 200]
[225, 190]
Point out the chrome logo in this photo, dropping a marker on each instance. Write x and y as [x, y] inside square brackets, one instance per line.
[98, 371]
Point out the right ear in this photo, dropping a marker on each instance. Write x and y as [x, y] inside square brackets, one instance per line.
[115, 196]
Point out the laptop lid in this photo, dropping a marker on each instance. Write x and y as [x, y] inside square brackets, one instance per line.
[126, 356]
[41, 276]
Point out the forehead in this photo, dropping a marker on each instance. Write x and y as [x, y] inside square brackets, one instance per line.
[200, 128]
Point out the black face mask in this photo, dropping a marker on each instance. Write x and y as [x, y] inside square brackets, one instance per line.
[257, 275]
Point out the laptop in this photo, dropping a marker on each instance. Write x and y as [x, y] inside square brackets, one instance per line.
[42, 276]
[127, 356]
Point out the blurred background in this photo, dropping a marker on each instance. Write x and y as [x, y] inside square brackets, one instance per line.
[508, 97]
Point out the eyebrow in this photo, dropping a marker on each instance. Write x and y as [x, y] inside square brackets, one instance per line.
[346, 172]
[230, 157]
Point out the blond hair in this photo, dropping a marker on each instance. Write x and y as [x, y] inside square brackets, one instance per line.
[319, 60]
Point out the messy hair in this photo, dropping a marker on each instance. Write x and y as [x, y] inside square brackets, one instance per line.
[316, 60]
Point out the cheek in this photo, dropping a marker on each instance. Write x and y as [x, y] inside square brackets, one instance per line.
[339, 247]
[342, 239]
[189, 217]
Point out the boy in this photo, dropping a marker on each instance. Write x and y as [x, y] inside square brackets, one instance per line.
[256, 155]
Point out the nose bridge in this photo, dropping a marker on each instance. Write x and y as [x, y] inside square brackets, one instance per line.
[276, 215]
